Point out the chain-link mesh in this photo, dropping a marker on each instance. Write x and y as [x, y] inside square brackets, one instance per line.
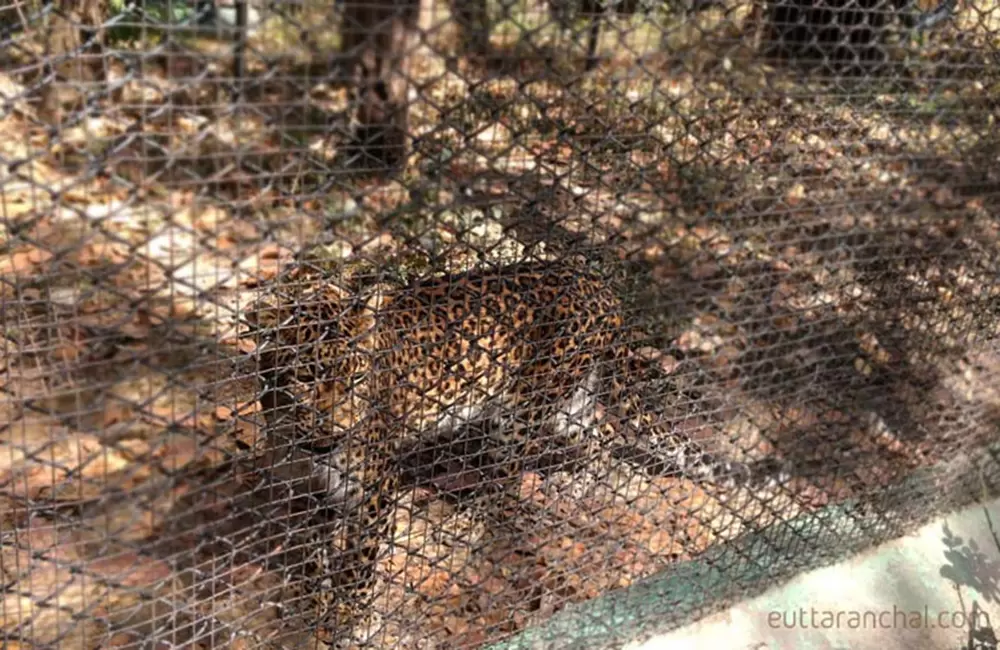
[416, 325]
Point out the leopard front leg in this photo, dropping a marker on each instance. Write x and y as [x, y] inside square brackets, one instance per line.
[345, 483]
[346, 590]
[346, 585]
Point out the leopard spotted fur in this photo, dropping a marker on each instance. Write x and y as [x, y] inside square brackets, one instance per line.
[349, 374]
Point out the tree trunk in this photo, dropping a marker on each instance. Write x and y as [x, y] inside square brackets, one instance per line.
[379, 36]
[72, 40]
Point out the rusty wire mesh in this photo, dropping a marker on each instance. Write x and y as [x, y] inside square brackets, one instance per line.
[386, 325]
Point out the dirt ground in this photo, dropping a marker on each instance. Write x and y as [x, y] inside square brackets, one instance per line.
[813, 265]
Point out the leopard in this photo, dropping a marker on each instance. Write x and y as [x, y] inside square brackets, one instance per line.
[350, 373]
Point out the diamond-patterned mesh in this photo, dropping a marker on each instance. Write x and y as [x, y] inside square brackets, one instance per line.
[539, 324]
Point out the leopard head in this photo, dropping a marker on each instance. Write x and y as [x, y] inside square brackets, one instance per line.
[318, 350]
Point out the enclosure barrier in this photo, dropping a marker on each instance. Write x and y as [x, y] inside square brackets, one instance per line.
[489, 324]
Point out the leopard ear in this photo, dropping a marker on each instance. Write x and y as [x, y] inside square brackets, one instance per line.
[377, 298]
[334, 290]
[371, 303]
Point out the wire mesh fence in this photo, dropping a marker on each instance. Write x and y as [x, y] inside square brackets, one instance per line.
[430, 325]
